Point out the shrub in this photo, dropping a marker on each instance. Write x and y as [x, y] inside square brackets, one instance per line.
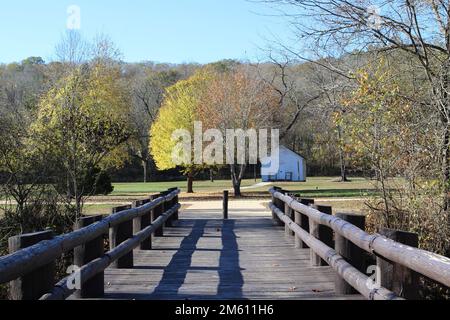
[417, 211]
[42, 211]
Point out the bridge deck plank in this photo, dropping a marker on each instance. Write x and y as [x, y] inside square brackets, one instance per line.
[203, 257]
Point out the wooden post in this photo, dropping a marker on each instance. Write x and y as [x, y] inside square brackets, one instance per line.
[94, 287]
[140, 223]
[395, 277]
[166, 206]
[175, 216]
[303, 221]
[288, 211]
[119, 234]
[323, 233]
[298, 242]
[314, 231]
[156, 213]
[353, 254]
[225, 204]
[35, 284]
[276, 202]
[280, 205]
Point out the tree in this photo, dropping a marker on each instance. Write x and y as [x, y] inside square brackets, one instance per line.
[72, 49]
[20, 87]
[81, 124]
[332, 87]
[307, 95]
[148, 93]
[178, 112]
[22, 172]
[421, 29]
[237, 99]
[291, 84]
[29, 204]
[33, 61]
[392, 136]
[373, 114]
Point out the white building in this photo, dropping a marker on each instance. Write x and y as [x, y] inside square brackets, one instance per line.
[292, 167]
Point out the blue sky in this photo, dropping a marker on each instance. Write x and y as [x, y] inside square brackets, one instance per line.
[160, 30]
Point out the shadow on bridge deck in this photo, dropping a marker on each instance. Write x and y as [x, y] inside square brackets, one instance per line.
[204, 257]
[230, 277]
[174, 274]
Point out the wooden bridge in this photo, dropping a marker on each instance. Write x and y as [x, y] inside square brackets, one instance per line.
[157, 249]
[205, 257]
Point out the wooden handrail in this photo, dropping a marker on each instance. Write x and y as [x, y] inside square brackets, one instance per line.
[86, 272]
[352, 275]
[25, 261]
[431, 265]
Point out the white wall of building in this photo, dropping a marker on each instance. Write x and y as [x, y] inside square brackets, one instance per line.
[291, 165]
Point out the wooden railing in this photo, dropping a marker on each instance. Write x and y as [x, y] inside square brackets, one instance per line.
[30, 267]
[340, 241]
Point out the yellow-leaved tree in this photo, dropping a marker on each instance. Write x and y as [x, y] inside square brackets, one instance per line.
[81, 127]
[178, 112]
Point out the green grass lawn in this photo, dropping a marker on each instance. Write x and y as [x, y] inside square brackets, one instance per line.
[98, 209]
[313, 187]
[123, 189]
[330, 187]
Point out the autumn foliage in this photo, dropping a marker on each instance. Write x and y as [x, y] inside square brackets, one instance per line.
[233, 98]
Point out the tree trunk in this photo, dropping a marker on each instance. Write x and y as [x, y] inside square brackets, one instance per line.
[343, 168]
[237, 189]
[190, 183]
[342, 157]
[446, 169]
[79, 206]
[78, 197]
[68, 187]
[237, 179]
[145, 169]
[343, 172]
[211, 175]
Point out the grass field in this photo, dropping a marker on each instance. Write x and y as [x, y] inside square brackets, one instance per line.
[347, 196]
[121, 189]
[314, 187]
